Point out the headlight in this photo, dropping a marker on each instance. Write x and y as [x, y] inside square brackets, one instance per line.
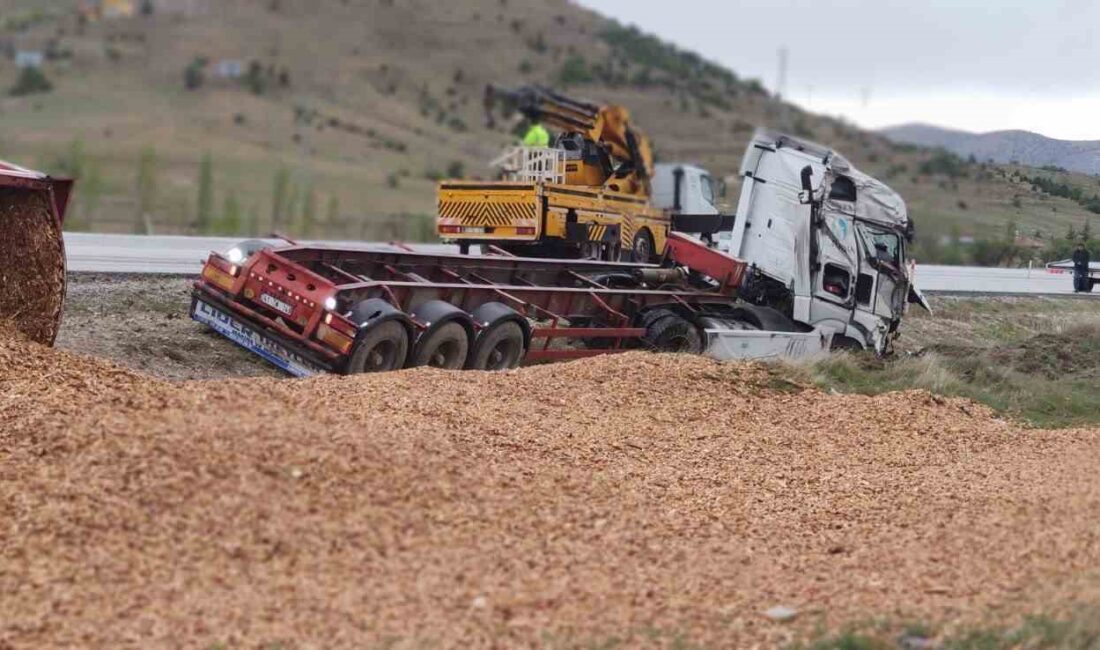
[330, 303]
[235, 255]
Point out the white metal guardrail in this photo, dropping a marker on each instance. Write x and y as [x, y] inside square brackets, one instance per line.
[532, 164]
[102, 253]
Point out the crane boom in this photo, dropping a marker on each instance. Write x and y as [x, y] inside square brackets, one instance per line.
[607, 125]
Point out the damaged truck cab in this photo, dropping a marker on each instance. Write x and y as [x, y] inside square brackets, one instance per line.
[826, 242]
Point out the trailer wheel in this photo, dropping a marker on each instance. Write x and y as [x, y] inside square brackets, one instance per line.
[445, 347]
[641, 249]
[384, 347]
[501, 348]
[672, 333]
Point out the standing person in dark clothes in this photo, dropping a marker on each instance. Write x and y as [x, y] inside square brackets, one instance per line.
[1081, 268]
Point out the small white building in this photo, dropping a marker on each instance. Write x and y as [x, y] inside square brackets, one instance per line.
[29, 58]
[229, 69]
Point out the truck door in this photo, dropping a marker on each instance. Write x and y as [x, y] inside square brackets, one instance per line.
[837, 250]
[834, 277]
[881, 282]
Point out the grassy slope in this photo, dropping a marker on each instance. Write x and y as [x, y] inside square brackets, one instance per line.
[409, 75]
[1037, 359]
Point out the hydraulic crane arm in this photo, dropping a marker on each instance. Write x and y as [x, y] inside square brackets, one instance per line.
[607, 125]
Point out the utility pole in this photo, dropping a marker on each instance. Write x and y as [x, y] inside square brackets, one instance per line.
[781, 89]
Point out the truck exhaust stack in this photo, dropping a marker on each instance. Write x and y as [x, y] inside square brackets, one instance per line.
[32, 252]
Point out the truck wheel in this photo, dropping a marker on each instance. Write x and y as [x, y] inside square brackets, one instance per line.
[641, 250]
[843, 343]
[384, 347]
[501, 348]
[445, 347]
[672, 333]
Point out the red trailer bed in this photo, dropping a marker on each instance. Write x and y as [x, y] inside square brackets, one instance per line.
[310, 308]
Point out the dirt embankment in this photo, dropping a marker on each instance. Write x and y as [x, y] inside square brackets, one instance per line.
[142, 323]
[639, 497]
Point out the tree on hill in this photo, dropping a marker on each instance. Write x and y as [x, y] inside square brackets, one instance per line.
[146, 191]
[31, 81]
[205, 215]
[194, 75]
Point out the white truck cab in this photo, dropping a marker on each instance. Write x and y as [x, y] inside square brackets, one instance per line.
[683, 189]
[826, 242]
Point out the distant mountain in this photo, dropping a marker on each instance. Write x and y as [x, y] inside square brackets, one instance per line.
[1023, 147]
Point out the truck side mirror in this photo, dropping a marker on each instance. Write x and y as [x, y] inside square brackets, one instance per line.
[807, 193]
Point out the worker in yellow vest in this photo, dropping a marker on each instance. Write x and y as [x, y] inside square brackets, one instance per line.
[536, 136]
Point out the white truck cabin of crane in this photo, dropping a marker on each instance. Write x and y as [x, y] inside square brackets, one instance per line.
[683, 189]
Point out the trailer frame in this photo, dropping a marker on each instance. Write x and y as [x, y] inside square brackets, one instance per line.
[289, 304]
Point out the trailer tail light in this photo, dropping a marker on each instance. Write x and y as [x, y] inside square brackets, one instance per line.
[337, 332]
[335, 340]
[220, 273]
[525, 230]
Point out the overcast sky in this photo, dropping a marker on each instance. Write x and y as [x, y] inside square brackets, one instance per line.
[969, 64]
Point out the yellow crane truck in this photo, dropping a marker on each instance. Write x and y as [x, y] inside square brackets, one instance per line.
[589, 195]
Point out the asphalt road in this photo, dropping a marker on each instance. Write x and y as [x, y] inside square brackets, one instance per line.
[184, 255]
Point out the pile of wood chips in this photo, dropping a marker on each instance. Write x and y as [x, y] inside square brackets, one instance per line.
[637, 497]
[32, 264]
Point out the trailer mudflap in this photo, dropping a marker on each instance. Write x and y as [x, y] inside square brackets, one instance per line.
[729, 344]
[264, 344]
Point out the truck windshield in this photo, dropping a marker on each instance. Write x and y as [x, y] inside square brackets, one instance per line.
[706, 188]
[881, 245]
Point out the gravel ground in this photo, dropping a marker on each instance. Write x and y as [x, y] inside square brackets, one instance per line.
[644, 499]
[142, 322]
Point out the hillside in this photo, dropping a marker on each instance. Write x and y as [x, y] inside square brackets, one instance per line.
[348, 111]
[1007, 147]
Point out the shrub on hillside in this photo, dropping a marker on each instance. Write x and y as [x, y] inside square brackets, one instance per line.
[31, 81]
[943, 163]
[194, 75]
[574, 71]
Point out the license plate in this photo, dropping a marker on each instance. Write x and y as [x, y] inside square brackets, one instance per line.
[252, 340]
[276, 304]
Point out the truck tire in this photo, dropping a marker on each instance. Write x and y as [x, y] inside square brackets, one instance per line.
[500, 348]
[843, 343]
[445, 347]
[642, 248]
[671, 332]
[384, 347]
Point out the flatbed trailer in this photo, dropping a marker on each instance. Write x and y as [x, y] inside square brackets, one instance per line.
[311, 309]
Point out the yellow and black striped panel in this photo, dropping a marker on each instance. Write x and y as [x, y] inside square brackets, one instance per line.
[626, 236]
[602, 232]
[472, 213]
